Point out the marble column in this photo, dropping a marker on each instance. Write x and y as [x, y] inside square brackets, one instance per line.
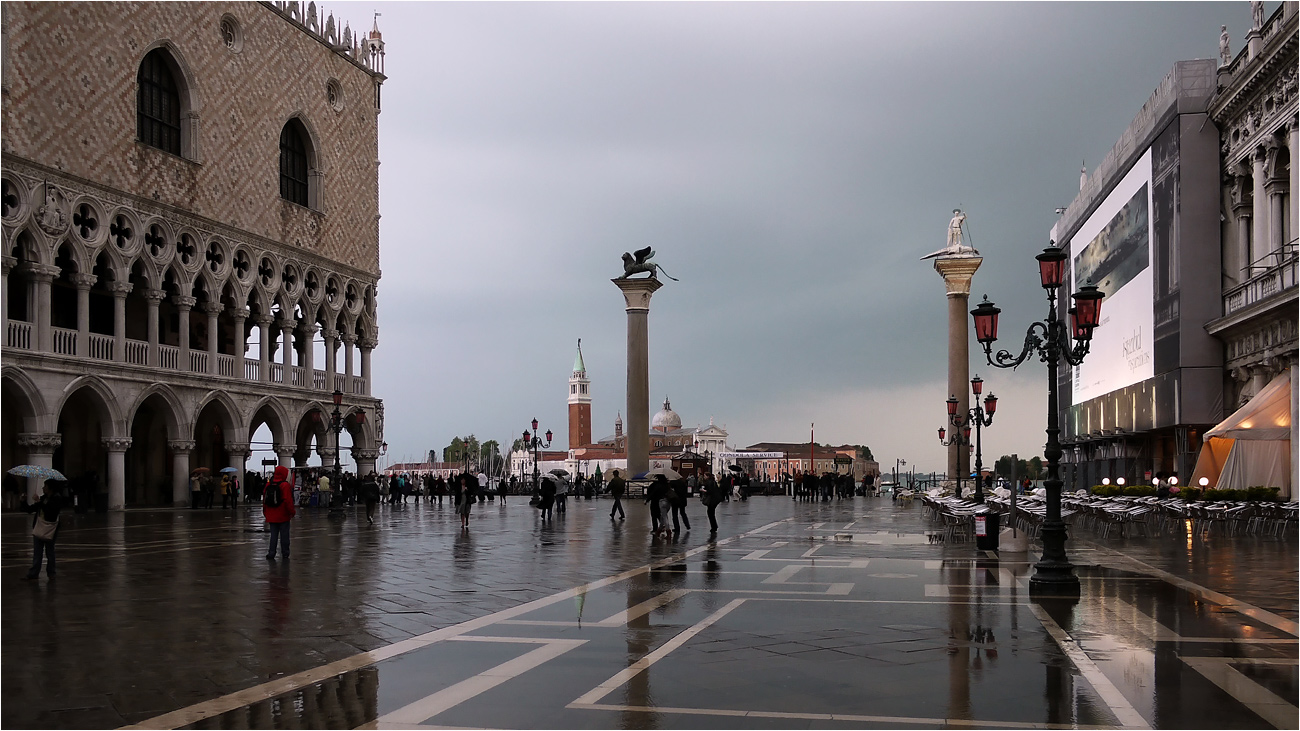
[366, 345]
[40, 451]
[181, 449]
[348, 341]
[8, 263]
[1293, 142]
[1241, 211]
[636, 295]
[117, 447]
[309, 355]
[285, 452]
[213, 311]
[239, 315]
[365, 460]
[154, 297]
[1259, 235]
[120, 290]
[41, 275]
[286, 350]
[957, 271]
[183, 306]
[331, 357]
[238, 452]
[264, 347]
[83, 283]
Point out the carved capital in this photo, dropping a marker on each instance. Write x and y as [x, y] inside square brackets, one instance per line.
[239, 449]
[119, 289]
[184, 302]
[83, 281]
[182, 446]
[348, 338]
[154, 296]
[264, 320]
[309, 328]
[326, 454]
[116, 444]
[286, 323]
[957, 272]
[367, 343]
[285, 451]
[330, 334]
[637, 292]
[39, 442]
[212, 309]
[41, 272]
[240, 313]
[368, 455]
[8, 263]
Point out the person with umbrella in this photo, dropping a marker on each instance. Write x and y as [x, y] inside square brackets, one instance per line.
[547, 501]
[657, 491]
[196, 487]
[45, 528]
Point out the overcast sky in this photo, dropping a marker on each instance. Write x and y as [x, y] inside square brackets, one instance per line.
[789, 163]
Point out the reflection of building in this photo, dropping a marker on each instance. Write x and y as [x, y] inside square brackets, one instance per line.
[182, 220]
[1216, 148]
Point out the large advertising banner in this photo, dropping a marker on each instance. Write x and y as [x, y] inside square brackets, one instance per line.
[1113, 250]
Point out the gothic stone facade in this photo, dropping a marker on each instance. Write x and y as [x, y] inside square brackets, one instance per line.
[190, 207]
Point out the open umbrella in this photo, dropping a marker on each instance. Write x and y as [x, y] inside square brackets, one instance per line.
[559, 472]
[200, 471]
[667, 472]
[230, 469]
[736, 468]
[37, 471]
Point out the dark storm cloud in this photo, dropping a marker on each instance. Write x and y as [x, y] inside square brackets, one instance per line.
[789, 162]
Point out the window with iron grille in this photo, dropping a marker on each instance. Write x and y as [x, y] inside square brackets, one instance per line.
[293, 163]
[158, 104]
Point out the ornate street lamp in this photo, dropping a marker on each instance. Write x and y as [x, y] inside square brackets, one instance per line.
[960, 439]
[1051, 341]
[980, 416]
[336, 425]
[534, 443]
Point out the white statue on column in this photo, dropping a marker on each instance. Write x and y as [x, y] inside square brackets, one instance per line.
[1257, 14]
[1225, 53]
[955, 238]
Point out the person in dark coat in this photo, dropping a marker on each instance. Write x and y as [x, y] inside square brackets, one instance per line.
[46, 508]
[468, 494]
[370, 496]
[712, 496]
[677, 498]
[278, 517]
[657, 491]
[547, 500]
[616, 488]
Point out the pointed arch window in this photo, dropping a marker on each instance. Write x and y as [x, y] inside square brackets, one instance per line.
[158, 104]
[295, 162]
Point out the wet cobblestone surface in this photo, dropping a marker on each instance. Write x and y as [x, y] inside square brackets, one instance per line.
[800, 615]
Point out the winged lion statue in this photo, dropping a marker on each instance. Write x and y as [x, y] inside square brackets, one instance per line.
[639, 261]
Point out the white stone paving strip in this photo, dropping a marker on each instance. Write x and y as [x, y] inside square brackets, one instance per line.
[290, 683]
[844, 717]
[453, 695]
[1266, 704]
[638, 667]
[1124, 711]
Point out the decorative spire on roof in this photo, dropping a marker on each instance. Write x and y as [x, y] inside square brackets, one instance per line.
[578, 366]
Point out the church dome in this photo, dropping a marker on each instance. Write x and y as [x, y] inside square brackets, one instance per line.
[666, 419]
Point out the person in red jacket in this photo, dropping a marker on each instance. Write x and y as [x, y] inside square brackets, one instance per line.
[278, 514]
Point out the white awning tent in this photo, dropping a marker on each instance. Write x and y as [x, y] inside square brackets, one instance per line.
[1253, 446]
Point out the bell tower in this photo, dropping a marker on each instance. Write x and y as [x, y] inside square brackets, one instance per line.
[579, 403]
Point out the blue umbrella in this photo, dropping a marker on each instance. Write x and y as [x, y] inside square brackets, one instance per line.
[37, 471]
[229, 469]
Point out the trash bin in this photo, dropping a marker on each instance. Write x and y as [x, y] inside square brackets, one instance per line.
[987, 527]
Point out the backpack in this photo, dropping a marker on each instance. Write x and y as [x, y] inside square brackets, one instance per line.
[273, 495]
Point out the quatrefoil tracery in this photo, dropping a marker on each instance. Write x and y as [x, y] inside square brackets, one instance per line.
[9, 200]
[120, 231]
[85, 221]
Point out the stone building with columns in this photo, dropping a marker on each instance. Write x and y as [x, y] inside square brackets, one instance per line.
[190, 218]
[1220, 138]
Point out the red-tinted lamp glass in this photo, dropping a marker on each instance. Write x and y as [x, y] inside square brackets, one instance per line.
[990, 404]
[1076, 332]
[952, 406]
[942, 433]
[548, 435]
[338, 397]
[361, 417]
[528, 438]
[986, 321]
[977, 385]
[965, 432]
[1051, 266]
[1087, 301]
[534, 425]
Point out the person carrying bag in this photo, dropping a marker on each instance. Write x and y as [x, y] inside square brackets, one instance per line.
[45, 528]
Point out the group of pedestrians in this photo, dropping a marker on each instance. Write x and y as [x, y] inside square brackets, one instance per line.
[810, 488]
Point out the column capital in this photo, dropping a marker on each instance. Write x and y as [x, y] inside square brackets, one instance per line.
[116, 444]
[286, 323]
[326, 454]
[83, 281]
[957, 272]
[184, 302]
[212, 309]
[264, 320]
[154, 296]
[637, 292]
[119, 289]
[309, 328]
[240, 313]
[41, 272]
[40, 442]
[181, 445]
[285, 451]
[348, 338]
[8, 263]
[330, 334]
[239, 449]
[369, 455]
[367, 343]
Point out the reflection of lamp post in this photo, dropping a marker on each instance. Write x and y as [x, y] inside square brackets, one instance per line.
[533, 442]
[1051, 341]
[961, 439]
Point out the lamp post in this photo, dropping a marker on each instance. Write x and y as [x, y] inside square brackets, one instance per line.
[980, 416]
[898, 463]
[1051, 341]
[336, 425]
[962, 439]
[534, 442]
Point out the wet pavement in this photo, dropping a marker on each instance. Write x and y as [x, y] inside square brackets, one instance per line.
[822, 615]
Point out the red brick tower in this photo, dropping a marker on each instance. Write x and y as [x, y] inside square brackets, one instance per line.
[579, 403]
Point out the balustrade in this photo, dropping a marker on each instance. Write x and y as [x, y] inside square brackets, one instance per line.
[19, 335]
[101, 346]
[1262, 285]
[137, 352]
[299, 375]
[225, 365]
[65, 341]
[252, 369]
[198, 361]
[277, 373]
[169, 356]
[358, 385]
[318, 380]
[340, 381]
